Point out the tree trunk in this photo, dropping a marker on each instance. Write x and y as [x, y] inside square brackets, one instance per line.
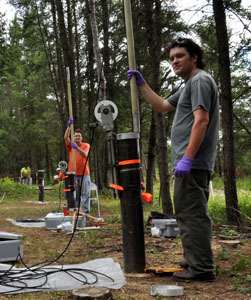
[60, 76]
[79, 79]
[153, 9]
[100, 78]
[96, 49]
[151, 156]
[232, 208]
[47, 161]
[67, 53]
[56, 76]
[163, 164]
[71, 59]
[106, 48]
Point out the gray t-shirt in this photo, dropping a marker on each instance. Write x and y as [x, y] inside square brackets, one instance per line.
[200, 91]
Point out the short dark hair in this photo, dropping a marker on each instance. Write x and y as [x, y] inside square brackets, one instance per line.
[79, 131]
[192, 48]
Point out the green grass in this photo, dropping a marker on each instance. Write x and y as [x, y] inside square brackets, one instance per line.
[244, 184]
[217, 204]
[217, 207]
[15, 191]
[217, 182]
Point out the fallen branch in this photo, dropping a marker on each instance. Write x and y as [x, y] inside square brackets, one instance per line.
[3, 197]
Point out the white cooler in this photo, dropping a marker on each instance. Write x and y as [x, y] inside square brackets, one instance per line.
[52, 220]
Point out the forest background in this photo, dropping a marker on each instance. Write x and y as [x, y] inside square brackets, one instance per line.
[89, 36]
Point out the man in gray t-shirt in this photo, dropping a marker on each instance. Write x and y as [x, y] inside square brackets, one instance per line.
[194, 139]
[200, 91]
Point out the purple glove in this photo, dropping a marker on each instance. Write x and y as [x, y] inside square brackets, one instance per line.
[139, 78]
[70, 121]
[74, 145]
[183, 167]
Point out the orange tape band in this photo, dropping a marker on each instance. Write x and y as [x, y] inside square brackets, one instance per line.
[116, 187]
[67, 190]
[129, 162]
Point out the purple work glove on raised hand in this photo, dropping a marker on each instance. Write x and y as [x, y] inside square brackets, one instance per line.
[139, 78]
[183, 167]
[74, 145]
[70, 121]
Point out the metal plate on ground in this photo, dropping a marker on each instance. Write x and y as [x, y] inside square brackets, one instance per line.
[167, 290]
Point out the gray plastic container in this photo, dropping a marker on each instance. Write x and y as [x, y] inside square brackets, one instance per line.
[11, 246]
[167, 227]
[52, 220]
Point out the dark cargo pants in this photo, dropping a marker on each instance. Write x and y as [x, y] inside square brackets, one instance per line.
[190, 199]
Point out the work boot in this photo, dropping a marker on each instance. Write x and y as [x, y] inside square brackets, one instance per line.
[183, 264]
[186, 276]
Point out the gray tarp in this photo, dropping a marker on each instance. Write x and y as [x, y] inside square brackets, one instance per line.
[28, 222]
[66, 281]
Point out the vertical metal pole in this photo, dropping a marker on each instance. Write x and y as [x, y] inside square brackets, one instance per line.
[131, 202]
[70, 112]
[132, 65]
[40, 177]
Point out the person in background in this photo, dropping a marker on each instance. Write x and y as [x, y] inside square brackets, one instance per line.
[194, 138]
[25, 175]
[82, 172]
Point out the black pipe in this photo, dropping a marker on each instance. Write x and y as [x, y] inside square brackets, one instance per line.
[129, 167]
[40, 178]
[70, 189]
